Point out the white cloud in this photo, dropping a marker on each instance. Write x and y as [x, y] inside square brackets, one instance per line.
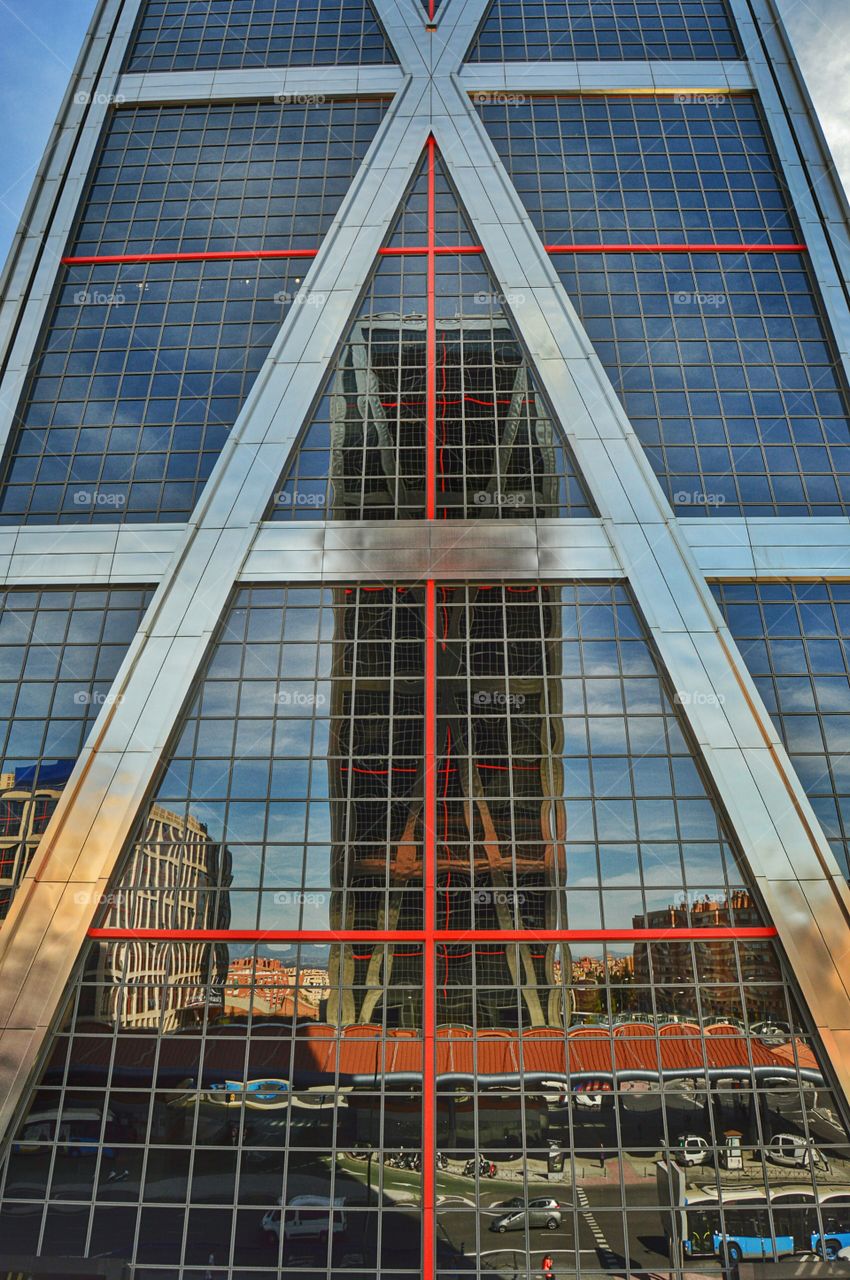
[820, 32]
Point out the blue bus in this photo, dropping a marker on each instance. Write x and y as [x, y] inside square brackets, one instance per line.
[747, 1232]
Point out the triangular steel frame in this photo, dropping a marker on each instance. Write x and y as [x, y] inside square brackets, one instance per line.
[789, 858]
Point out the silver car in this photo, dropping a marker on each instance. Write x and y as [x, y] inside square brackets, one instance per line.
[544, 1213]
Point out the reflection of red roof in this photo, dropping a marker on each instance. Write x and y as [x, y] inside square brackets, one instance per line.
[322, 1050]
[805, 1057]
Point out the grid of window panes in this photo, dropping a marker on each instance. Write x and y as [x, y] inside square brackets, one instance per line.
[59, 653]
[363, 454]
[569, 796]
[795, 640]
[184, 35]
[197, 1094]
[140, 376]
[499, 452]
[625, 1055]
[221, 177]
[729, 375]
[451, 226]
[301, 753]
[583, 30]
[656, 170]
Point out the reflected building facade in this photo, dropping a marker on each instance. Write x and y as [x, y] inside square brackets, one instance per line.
[440, 861]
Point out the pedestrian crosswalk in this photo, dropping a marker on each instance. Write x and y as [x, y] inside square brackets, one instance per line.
[607, 1256]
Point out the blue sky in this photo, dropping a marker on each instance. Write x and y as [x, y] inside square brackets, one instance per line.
[39, 41]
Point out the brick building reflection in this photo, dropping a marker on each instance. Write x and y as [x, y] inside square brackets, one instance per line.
[176, 878]
[28, 796]
[672, 972]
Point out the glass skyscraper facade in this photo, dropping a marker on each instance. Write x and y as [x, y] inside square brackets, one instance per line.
[425, 647]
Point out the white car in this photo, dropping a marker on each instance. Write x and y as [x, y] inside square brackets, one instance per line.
[306, 1218]
[691, 1149]
[794, 1152]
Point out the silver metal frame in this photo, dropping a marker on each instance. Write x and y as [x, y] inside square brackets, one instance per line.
[196, 565]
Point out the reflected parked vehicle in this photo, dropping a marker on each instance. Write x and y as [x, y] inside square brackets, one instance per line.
[543, 1213]
[794, 1152]
[691, 1149]
[77, 1131]
[307, 1218]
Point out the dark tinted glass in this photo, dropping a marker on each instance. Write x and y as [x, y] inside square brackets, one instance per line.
[729, 374]
[140, 377]
[493, 447]
[528, 30]
[143, 367]
[795, 639]
[203, 1123]
[677, 169]
[499, 454]
[224, 178]
[185, 35]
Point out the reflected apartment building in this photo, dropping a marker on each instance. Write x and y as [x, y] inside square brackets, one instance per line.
[178, 878]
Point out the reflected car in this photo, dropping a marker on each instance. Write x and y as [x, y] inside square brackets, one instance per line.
[544, 1213]
[793, 1152]
[307, 1218]
[691, 1149]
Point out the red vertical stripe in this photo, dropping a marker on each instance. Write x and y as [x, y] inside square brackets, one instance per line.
[429, 833]
[431, 345]
[429, 993]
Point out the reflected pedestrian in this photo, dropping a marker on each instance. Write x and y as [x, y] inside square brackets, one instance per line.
[548, 1265]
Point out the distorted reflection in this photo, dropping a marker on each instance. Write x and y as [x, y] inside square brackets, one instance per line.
[651, 1104]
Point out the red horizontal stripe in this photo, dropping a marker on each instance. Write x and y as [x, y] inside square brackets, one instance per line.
[421, 251]
[240, 255]
[247, 255]
[718, 934]
[675, 248]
